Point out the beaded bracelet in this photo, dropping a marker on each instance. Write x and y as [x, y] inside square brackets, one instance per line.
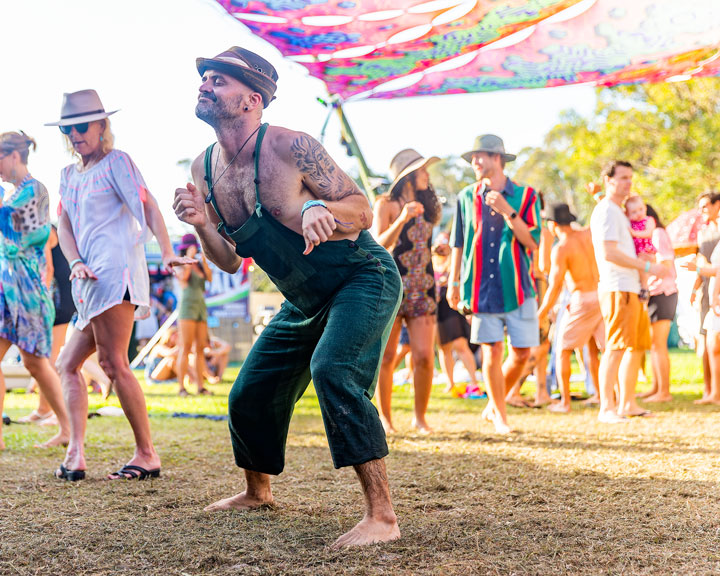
[310, 204]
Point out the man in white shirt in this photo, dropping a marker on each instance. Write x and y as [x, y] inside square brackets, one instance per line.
[627, 327]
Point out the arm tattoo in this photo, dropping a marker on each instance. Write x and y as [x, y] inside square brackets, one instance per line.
[311, 158]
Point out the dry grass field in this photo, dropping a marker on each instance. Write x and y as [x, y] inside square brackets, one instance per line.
[564, 495]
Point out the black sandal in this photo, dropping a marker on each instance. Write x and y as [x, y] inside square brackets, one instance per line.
[70, 475]
[132, 472]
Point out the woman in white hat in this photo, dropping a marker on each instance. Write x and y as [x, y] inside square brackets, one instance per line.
[26, 309]
[403, 224]
[106, 210]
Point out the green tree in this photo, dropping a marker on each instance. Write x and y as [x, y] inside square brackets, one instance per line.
[668, 131]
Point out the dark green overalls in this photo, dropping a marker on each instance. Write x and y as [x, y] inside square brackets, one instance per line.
[342, 299]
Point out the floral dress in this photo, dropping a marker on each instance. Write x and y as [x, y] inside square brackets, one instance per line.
[26, 308]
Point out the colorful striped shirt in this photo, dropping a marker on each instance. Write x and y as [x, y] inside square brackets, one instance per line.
[496, 272]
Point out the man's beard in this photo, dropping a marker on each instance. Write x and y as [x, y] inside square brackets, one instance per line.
[214, 112]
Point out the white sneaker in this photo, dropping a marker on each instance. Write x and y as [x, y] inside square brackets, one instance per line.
[609, 417]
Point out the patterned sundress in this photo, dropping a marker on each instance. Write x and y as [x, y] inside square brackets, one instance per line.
[413, 256]
[25, 304]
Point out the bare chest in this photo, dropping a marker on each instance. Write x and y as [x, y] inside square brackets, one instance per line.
[236, 193]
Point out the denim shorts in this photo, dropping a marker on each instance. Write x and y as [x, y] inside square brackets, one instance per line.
[521, 324]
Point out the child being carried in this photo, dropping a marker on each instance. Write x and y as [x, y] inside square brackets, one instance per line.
[642, 227]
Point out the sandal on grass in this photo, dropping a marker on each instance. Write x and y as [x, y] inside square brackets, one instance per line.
[69, 475]
[132, 472]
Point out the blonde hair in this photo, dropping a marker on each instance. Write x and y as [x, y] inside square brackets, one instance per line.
[17, 142]
[107, 143]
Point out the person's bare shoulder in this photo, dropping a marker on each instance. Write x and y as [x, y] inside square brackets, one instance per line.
[283, 140]
[197, 169]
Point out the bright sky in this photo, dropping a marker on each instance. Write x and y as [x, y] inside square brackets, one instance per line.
[140, 57]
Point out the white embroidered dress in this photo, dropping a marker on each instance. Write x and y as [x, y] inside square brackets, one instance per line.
[105, 208]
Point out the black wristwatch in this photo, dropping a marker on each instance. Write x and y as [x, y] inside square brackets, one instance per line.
[512, 216]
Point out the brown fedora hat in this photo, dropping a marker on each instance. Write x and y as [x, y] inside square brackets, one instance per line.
[246, 66]
[79, 107]
[405, 162]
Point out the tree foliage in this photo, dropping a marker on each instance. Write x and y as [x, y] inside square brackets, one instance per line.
[668, 132]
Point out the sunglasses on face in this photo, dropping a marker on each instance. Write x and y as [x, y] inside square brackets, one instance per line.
[80, 128]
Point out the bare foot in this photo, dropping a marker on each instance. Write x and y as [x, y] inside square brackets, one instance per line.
[517, 401]
[647, 394]
[204, 392]
[421, 426]
[241, 502]
[488, 414]
[57, 440]
[707, 400]
[592, 401]
[659, 398]
[559, 408]
[541, 401]
[501, 427]
[449, 388]
[387, 426]
[369, 531]
[49, 421]
[34, 416]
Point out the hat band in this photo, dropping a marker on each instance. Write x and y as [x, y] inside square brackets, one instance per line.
[101, 111]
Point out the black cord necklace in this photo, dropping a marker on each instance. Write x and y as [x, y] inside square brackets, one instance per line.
[213, 184]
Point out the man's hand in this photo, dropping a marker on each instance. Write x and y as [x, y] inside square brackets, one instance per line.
[693, 296]
[170, 261]
[411, 210]
[82, 272]
[189, 206]
[453, 296]
[318, 225]
[497, 202]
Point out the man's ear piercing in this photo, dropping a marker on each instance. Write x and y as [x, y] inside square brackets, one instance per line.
[246, 108]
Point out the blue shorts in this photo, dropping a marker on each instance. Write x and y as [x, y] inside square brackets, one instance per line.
[521, 324]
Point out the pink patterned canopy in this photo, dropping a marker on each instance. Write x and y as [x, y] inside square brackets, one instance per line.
[391, 48]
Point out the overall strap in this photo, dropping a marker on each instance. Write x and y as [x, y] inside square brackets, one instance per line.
[258, 143]
[210, 198]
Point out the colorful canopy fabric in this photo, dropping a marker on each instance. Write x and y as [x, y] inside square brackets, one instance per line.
[391, 48]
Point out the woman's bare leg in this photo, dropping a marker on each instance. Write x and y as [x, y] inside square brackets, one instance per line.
[422, 345]
[385, 380]
[201, 340]
[4, 347]
[448, 364]
[461, 346]
[186, 337]
[80, 345]
[49, 383]
[112, 330]
[660, 362]
[58, 340]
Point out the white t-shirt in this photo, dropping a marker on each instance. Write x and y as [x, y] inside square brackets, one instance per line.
[608, 223]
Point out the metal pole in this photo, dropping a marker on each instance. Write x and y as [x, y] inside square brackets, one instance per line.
[349, 137]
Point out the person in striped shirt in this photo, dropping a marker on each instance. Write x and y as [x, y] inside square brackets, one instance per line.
[496, 228]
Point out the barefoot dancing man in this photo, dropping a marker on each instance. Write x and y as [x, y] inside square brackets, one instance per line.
[275, 195]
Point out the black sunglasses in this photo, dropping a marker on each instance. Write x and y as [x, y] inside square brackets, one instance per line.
[81, 128]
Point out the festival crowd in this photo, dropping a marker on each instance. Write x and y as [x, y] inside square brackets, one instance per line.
[511, 278]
